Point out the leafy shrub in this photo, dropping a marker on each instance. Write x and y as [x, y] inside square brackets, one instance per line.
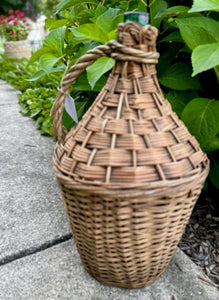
[188, 70]
[48, 7]
[30, 7]
[37, 104]
[17, 73]
[12, 70]
[188, 43]
[11, 4]
[38, 96]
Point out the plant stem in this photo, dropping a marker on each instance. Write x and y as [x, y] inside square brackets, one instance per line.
[152, 2]
[216, 70]
[148, 4]
[145, 4]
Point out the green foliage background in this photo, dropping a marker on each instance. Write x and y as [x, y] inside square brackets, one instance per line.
[20, 4]
[188, 70]
[47, 7]
[37, 96]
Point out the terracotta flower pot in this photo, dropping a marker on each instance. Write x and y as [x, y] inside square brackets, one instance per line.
[17, 49]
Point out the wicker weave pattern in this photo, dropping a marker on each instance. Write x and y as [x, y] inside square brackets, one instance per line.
[129, 172]
[17, 49]
[127, 242]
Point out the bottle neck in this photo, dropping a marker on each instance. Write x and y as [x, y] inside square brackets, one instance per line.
[141, 18]
[133, 35]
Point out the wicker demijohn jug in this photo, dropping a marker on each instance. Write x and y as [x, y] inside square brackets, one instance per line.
[129, 171]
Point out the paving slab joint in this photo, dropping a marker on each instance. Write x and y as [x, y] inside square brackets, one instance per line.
[26, 252]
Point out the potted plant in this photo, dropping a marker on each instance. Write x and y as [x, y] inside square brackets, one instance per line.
[14, 30]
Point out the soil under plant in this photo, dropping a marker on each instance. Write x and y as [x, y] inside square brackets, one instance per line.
[200, 240]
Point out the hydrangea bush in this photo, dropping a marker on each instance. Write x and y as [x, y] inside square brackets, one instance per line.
[15, 26]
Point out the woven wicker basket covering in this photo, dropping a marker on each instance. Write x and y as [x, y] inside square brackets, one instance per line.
[17, 49]
[129, 172]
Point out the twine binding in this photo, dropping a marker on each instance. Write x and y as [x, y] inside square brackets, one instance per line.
[129, 172]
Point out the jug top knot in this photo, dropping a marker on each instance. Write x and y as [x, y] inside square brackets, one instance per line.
[134, 35]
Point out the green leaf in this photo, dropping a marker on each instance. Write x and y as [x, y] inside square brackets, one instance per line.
[55, 40]
[24, 111]
[90, 32]
[70, 3]
[36, 76]
[98, 68]
[47, 61]
[155, 8]
[179, 99]
[172, 11]
[51, 23]
[214, 171]
[197, 30]
[167, 58]
[68, 15]
[39, 120]
[201, 116]
[75, 41]
[213, 145]
[67, 121]
[141, 6]
[59, 68]
[46, 127]
[185, 49]
[82, 84]
[124, 5]
[205, 57]
[100, 10]
[35, 112]
[83, 50]
[109, 20]
[63, 5]
[80, 107]
[202, 5]
[112, 35]
[173, 37]
[178, 77]
[37, 54]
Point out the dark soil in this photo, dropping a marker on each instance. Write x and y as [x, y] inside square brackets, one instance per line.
[200, 240]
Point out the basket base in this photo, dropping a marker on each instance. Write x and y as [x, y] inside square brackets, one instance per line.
[124, 285]
[130, 244]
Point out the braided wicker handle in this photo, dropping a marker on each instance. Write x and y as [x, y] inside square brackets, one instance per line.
[110, 49]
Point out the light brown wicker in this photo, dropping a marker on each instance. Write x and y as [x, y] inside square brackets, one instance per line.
[129, 172]
[17, 49]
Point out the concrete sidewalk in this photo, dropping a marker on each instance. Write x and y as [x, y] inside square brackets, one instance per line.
[38, 257]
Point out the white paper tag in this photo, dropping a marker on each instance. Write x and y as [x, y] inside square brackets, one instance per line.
[70, 108]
